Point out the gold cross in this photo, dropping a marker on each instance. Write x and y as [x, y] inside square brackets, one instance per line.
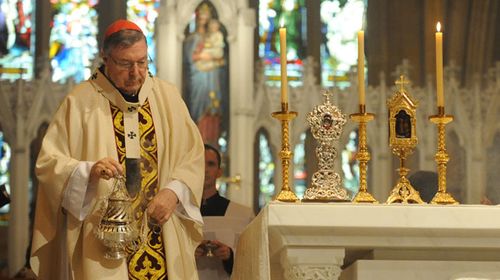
[327, 94]
[401, 82]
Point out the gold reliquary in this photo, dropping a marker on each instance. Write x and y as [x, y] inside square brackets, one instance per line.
[403, 140]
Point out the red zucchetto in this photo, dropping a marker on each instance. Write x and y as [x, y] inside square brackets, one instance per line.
[120, 25]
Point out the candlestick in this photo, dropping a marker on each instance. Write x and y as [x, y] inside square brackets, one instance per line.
[284, 116]
[439, 66]
[442, 196]
[284, 82]
[361, 67]
[363, 156]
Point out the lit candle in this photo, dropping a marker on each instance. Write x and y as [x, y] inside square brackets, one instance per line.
[361, 67]
[284, 82]
[439, 66]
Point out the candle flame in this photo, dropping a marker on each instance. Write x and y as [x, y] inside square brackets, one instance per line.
[282, 22]
[438, 26]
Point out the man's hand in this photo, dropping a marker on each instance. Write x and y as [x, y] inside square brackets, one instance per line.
[223, 252]
[105, 168]
[201, 249]
[161, 207]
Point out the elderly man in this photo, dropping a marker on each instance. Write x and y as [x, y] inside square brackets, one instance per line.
[121, 122]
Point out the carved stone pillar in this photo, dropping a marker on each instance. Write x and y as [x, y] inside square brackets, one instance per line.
[169, 38]
[312, 263]
[241, 71]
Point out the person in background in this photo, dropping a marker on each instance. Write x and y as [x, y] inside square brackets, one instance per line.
[122, 122]
[215, 258]
[426, 183]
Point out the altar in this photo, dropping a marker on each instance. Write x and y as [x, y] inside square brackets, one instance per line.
[365, 241]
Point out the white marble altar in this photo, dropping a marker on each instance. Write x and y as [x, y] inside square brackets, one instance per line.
[353, 241]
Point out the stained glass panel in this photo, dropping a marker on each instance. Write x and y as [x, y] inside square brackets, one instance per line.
[144, 14]
[350, 165]
[5, 154]
[16, 45]
[299, 167]
[292, 15]
[266, 170]
[341, 20]
[73, 39]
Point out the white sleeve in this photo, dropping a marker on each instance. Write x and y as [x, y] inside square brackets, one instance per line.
[185, 208]
[79, 193]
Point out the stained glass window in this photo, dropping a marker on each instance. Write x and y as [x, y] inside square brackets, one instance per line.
[265, 170]
[16, 45]
[272, 14]
[73, 39]
[144, 14]
[5, 154]
[341, 20]
[299, 167]
[350, 165]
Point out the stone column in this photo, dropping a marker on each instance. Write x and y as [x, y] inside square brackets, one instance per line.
[18, 235]
[43, 18]
[169, 39]
[241, 83]
[15, 128]
[109, 11]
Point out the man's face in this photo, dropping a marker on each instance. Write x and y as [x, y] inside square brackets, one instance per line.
[212, 170]
[127, 67]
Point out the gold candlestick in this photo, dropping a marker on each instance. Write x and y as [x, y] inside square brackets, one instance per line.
[363, 156]
[285, 116]
[442, 158]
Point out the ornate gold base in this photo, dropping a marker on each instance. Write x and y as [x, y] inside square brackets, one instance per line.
[364, 197]
[443, 198]
[286, 196]
[403, 192]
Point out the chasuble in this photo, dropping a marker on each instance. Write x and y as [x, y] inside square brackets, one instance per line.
[94, 122]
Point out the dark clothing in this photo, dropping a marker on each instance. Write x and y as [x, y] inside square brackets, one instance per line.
[216, 205]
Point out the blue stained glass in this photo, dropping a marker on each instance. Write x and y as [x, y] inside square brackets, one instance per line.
[350, 165]
[144, 14]
[299, 167]
[16, 44]
[341, 20]
[290, 14]
[73, 39]
[266, 170]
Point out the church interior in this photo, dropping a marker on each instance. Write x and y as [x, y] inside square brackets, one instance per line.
[236, 96]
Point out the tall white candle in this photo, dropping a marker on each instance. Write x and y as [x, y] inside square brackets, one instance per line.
[284, 79]
[361, 67]
[439, 66]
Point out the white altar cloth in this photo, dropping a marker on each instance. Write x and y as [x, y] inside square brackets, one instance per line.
[325, 240]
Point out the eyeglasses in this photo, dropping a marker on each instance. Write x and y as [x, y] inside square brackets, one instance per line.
[128, 65]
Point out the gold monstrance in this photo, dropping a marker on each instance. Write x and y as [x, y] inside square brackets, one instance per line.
[326, 121]
[402, 140]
